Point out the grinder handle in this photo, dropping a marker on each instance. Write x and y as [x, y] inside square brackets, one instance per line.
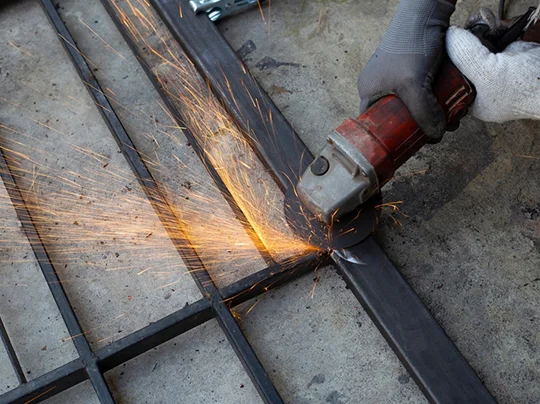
[387, 135]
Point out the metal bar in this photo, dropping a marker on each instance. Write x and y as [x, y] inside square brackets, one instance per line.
[154, 334]
[21, 377]
[166, 214]
[423, 347]
[48, 385]
[159, 332]
[274, 140]
[53, 281]
[282, 150]
[194, 140]
[270, 278]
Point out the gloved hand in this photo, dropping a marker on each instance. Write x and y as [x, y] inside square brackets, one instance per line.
[507, 83]
[407, 60]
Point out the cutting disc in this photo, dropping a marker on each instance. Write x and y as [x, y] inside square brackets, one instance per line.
[343, 233]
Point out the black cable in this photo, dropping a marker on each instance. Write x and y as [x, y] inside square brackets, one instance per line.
[502, 4]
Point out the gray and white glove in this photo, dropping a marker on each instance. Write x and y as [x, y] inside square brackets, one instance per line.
[507, 83]
[407, 60]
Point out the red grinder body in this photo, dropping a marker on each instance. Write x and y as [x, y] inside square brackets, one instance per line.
[387, 134]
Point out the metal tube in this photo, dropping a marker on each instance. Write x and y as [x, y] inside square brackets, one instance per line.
[159, 332]
[423, 347]
[390, 301]
[154, 334]
[194, 140]
[197, 313]
[53, 281]
[273, 139]
[21, 377]
[48, 385]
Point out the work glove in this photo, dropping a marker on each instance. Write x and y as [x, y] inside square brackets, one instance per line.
[507, 83]
[407, 60]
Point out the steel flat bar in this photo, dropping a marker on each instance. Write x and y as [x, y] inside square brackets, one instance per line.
[48, 385]
[194, 140]
[54, 283]
[166, 214]
[21, 377]
[282, 150]
[273, 138]
[429, 355]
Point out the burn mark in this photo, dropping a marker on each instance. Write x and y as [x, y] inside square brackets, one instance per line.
[317, 379]
[268, 63]
[404, 379]
[276, 90]
[531, 213]
[247, 48]
[334, 398]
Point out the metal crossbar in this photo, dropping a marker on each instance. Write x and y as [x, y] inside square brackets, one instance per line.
[420, 343]
[55, 286]
[15, 363]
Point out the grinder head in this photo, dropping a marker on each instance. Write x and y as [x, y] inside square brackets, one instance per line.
[342, 233]
[338, 181]
[334, 204]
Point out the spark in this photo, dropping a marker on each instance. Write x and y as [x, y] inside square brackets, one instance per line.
[394, 206]
[71, 337]
[18, 47]
[50, 127]
[253, 305]
[102, 40]
[167, 285]
[106, 339]
[40, 395]
[315, 283]
[528, 157]
[91, 213]
[261, 11]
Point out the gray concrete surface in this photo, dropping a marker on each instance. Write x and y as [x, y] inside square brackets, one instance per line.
[469, 244]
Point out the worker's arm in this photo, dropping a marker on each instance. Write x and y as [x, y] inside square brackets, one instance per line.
[407, 60]
[507, 83]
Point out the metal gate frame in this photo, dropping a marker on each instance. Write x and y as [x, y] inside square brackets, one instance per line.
[428, 354]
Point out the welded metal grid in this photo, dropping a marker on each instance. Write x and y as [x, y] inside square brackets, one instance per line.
[434, 363]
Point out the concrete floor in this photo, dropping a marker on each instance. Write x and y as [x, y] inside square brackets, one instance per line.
[470, 243]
